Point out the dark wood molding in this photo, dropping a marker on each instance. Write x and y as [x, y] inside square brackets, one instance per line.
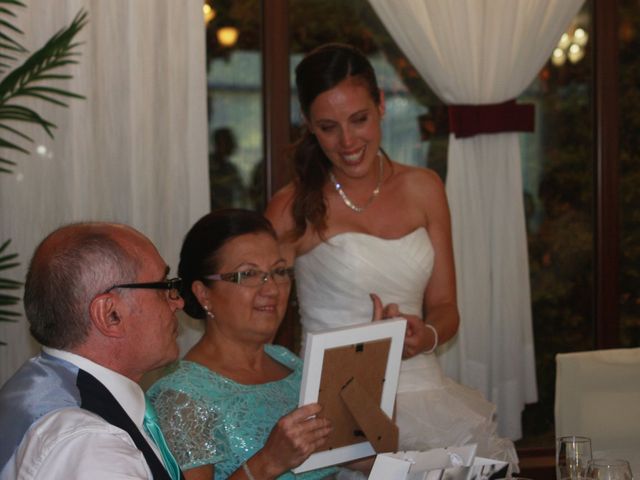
[537, 463]
[276, 121]
[276, 92]
[606, 156]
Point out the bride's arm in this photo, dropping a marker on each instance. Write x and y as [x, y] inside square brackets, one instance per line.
[440, 303]
[440, 311]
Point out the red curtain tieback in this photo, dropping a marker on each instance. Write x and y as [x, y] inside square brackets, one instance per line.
[470, 120]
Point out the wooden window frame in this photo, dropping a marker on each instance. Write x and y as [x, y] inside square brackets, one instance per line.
[275, 36]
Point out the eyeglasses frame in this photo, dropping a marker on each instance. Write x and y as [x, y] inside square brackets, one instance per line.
[169, 284]
[234, 277]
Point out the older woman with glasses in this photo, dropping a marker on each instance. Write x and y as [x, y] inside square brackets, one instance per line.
[229, 408]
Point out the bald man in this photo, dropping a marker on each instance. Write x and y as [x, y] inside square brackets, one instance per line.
[98, 299]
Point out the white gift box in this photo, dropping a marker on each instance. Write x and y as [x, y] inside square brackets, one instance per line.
[453, 463]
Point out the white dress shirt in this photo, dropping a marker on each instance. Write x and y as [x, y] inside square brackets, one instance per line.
[73, 443]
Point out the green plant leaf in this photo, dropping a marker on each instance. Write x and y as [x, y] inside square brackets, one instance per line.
[9, 25]
[7, 161]
[7, 266]
[6, 258]
[6, 42]
[48, 94]
[24, 114]
[12, 146]
[6, 300]
[43, 60]
[27, 79]
[7, 57]
[15, 131]
[13, 2]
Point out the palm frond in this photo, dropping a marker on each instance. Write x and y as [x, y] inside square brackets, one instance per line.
[53, 54]
[9, 162]
[24, 114]
[15, 131]
[6, 56]
[7, 42]
[12, 146]
[6, 300]
[9, 25]
[27, 81]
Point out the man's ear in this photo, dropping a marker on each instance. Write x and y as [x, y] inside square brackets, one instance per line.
[106, 316]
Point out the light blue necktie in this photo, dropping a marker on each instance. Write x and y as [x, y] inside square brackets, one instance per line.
[152, 427]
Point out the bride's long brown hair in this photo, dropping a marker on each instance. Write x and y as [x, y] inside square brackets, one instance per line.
[319, 71]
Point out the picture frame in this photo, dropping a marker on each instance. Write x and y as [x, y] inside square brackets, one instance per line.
[371, 353]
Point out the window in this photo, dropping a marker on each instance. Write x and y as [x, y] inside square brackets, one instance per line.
[629, 123]
[234, 86]
[411, 131]
[560, 178]
[557, 164]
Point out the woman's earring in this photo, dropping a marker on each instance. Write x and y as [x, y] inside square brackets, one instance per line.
[209, 314]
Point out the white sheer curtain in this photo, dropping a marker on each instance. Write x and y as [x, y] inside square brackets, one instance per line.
[485, 52]
[135, 151]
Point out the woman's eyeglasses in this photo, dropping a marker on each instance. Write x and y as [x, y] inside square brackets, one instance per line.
[173, 285]
[255, 278]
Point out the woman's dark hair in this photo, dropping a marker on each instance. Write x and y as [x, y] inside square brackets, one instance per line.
[201, 245]
[319, 71]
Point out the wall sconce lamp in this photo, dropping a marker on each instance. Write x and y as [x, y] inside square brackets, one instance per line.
[227, 36]
[208, 12]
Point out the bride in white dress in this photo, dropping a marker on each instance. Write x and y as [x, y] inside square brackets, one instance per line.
[371, 238]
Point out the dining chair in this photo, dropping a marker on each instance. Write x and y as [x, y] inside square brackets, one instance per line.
[598, 396]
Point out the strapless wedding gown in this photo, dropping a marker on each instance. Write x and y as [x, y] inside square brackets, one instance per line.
[334, 281]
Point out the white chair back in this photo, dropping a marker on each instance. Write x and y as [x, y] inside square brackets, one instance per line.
[598, 396]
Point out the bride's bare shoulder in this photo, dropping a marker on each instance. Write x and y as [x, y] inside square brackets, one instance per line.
[278, 210]
[423, 179]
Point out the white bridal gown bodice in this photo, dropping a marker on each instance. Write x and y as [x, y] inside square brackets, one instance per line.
[334, 281]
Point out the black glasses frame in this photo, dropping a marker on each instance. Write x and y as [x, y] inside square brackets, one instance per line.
[174, 286]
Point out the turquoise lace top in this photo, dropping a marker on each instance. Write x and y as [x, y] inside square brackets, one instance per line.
[210, 419]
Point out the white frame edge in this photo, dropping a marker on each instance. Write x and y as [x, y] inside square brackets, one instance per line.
[316, 344]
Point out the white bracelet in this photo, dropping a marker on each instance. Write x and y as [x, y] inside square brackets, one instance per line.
[435, 343]
[247, 472]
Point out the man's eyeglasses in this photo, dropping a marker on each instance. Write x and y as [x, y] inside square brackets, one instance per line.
[255, 278]
[173, 285]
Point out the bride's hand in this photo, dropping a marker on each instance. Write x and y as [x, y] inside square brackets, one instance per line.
[418, 338]
[381, 312]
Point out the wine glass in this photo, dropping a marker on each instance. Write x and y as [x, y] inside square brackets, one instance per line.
[609, 469]
[573, 455]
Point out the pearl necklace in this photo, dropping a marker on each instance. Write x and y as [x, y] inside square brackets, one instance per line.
[347, 201]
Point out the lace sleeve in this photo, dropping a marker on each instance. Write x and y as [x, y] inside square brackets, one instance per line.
[189, 427]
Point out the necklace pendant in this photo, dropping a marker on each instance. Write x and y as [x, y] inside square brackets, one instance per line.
[347, 201]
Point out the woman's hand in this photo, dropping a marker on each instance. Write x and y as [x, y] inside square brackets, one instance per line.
[417, 337]
[296, 436]
[381, 312]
